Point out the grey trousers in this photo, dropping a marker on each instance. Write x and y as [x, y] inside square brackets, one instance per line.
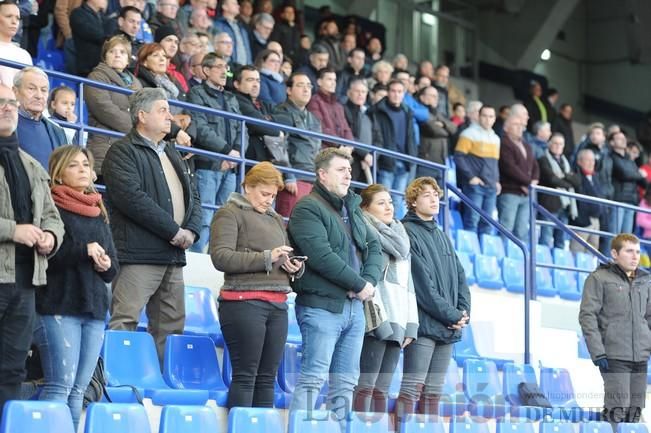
[624, 391]
[161, 289]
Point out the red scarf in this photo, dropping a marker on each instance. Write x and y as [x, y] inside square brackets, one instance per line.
[77, 202]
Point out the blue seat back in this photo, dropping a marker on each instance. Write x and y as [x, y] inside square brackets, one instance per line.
[513, 274]
[544, 254]
[513, 251]
[452, 383]
[595, 427]
[556, 385]
[468, 267]
[130, 358]
[314, 421]
[514, 427]
[586, 261]
[188, 419]
[360, 422]
[544, 283]
[468, 425]
[465, 348]
[116, 418]
[290, 367]
[255, 420]
[565, 281]
[563, 257]
[36, 417]
[555, 427]
[492, 245]
[415, 423]
[481, 382]
[514, 374]
[191, 363]
[488, 272]
[626, 427]
[468, 242]
[293, 330]
[200, 310]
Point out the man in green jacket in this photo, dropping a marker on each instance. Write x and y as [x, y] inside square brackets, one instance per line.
[615, 316]
[345, 263]
[30, 231]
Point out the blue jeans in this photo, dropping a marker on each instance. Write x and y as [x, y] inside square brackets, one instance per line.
[332, 345]
[485, 198]
[513, 211]
[397, 180]
[547, 232]
[69, 348]
[214, 188]
[624, 221]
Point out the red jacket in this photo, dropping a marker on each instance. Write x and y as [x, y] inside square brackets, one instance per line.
[330, 113]
[516, 171]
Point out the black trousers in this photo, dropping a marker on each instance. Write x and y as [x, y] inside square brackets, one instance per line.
[624, 391]
[17, 314]
[377, 364]
[255, 333]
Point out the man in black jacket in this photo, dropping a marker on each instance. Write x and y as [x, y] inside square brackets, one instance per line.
[588, 214]
[626, 178]
[361, 124]
[88, 31]
[155, 217]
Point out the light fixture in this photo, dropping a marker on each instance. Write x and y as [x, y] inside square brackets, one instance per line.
[428, 19]
[545, 55]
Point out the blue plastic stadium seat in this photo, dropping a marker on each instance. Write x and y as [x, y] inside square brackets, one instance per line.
[583, 348]
[201, 314]
[595, 427]
[625, 427]
[556, 385]
[453, 401]
[544, 254]
[551, 426]
[360, 422]
[255, 420]
[293, 330]
[492, 245]
[415, 423]
[544, 283]
[468, 425]
[456, 223]
[130, 359]
[514, 427]
[465, 349]
[191, 363]
[143, 321]
[488, 272]
[513, 251]
[116, 418]
[514, 374]
[468, 267]
[36, 417]
[586, 261]
[315, 421]
[189, 419]
[565, 283]
[482, 386]
[513, 275]
[467, 242]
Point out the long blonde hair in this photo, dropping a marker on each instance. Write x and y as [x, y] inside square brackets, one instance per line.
[59, 161]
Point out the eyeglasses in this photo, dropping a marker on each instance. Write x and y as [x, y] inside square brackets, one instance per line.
[221, 66]
[11, 103]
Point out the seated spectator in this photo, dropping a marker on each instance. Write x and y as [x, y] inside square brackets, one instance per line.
[422, 82]
[87, 23]
[434, 135]
[626, 178]
[318, 59]
[328, 36]
[169, 41]
[643, 220]
[152, 72]
[188, 47]
[556, 172]
[263, 25]
[328, 110]
[588, 214]
[272, 86]
[32, 231]
[378, 93]
[458, 114]
[361, 126]
[275, 46]
[10, 15]
[441, 82]
[381, 73]
[206, 42]
[72, 307]
[395, 293]
[216, 179]
[287, 34]
[227, 22]
[247, 85]
[563, 124]
[37, 135]
[353, 70]
[286, 69]
[518, 170]
[249, 244]
[166, 11]
[61, 106]
[400, 61]
[184, 14]
[373, 52]
[347, 44]
[542, 132]
[196, 70]
[106, 109]
[224, 47]
[302, 149]
[425, 69]
[128, 25]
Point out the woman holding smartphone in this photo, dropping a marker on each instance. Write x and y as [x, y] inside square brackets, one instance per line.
[248, 242]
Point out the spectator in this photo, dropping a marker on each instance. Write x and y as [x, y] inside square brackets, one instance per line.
[62, 11]
[392, 120]
[247, 85]
[246, 12]
[184, 14]
[563, 124]
[72, 306]
[197, 75]
[609, 299]
[200, 22]
[373, 52]
[216, 179]
[423, 82]
[166, 11]
[106, 109]
[441, 81]
[328, 110]
[144, 33]
[643, 220]
[224, 47]
[153, 199]
[420, 111]
[503, 113]
[361, 125]
[443, 303]
[353, 71]
[542, 132]
[476, 155]
[286, 69]
[552, 100]
[32, 231]
[272, 86]
[643, 133]
[395, 294]
[9, 23]
[87, 23]
[263, 25]
[626, 178]
[286, 33]
[61, 106]
[38, 135]
[537, 106]
[152, 72]
[472, 117]
[400, 61]
[169, 41]
[318, 59]
[518, 170]
[248, 243]
[458, 114]
[265, 6]
[228, 23]
[521, 112]
[188, 47]
[275, 46]
[328, 224]
[329, 36]
[379, 92]
[381, 73]
[128, 24]
[206, 42]
[425, 69]
[434, 133]
[588, 214]
[302, 149]
[556, 172]
[347, 44]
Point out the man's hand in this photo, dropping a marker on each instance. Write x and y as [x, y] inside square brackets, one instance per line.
[103, 264]
[406, 342]
[183, 239]
[291, 188]
[367, 292]
[476, 181]
[183, 139]
[95, 251]
[45, 244]
[236, 154]
[27, 234]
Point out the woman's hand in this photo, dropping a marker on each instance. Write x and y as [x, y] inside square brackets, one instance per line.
[406, 342]
[104, 263]
[280, 252]
[292, 266]
[95, 251]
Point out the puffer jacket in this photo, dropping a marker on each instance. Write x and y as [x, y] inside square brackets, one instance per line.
[615, 314]
[626, 178]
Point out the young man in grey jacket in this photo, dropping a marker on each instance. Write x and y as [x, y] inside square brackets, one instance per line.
[615, 316]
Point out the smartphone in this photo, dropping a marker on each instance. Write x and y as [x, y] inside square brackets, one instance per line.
[298, 258]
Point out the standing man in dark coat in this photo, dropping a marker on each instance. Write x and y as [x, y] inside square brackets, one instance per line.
[88, 31]
[361, 124]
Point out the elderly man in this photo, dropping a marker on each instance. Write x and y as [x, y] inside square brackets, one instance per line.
[238, 32]
[166, 16]
[30, 231]
[361, 125]
[155, 217]
[37, 134]
[263, 25]
[441, 81]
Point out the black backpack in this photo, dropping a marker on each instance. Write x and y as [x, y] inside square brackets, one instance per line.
[97, 386]
[531, 395]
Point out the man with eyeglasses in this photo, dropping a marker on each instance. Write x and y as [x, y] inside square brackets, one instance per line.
[216, 179]
[30, 231]
[238, 32]
[9, 22]
[166, 11]
[196, 71]
[263, 25]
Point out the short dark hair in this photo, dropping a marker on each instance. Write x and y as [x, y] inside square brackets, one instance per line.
[290, 80]
[8, 2]
[486, 107]
[125, 10]
[238, 73]
[564, 105]
[397, 71]
[356, 49]
[378, 87]
[395, 81]
[358, 80]
[319, 48]
[209, 59]
[457, 105]
[326, 70]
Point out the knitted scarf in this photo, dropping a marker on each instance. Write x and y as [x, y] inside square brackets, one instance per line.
[77, 202]
[560, 168]
[16, 177]
[393, 237]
